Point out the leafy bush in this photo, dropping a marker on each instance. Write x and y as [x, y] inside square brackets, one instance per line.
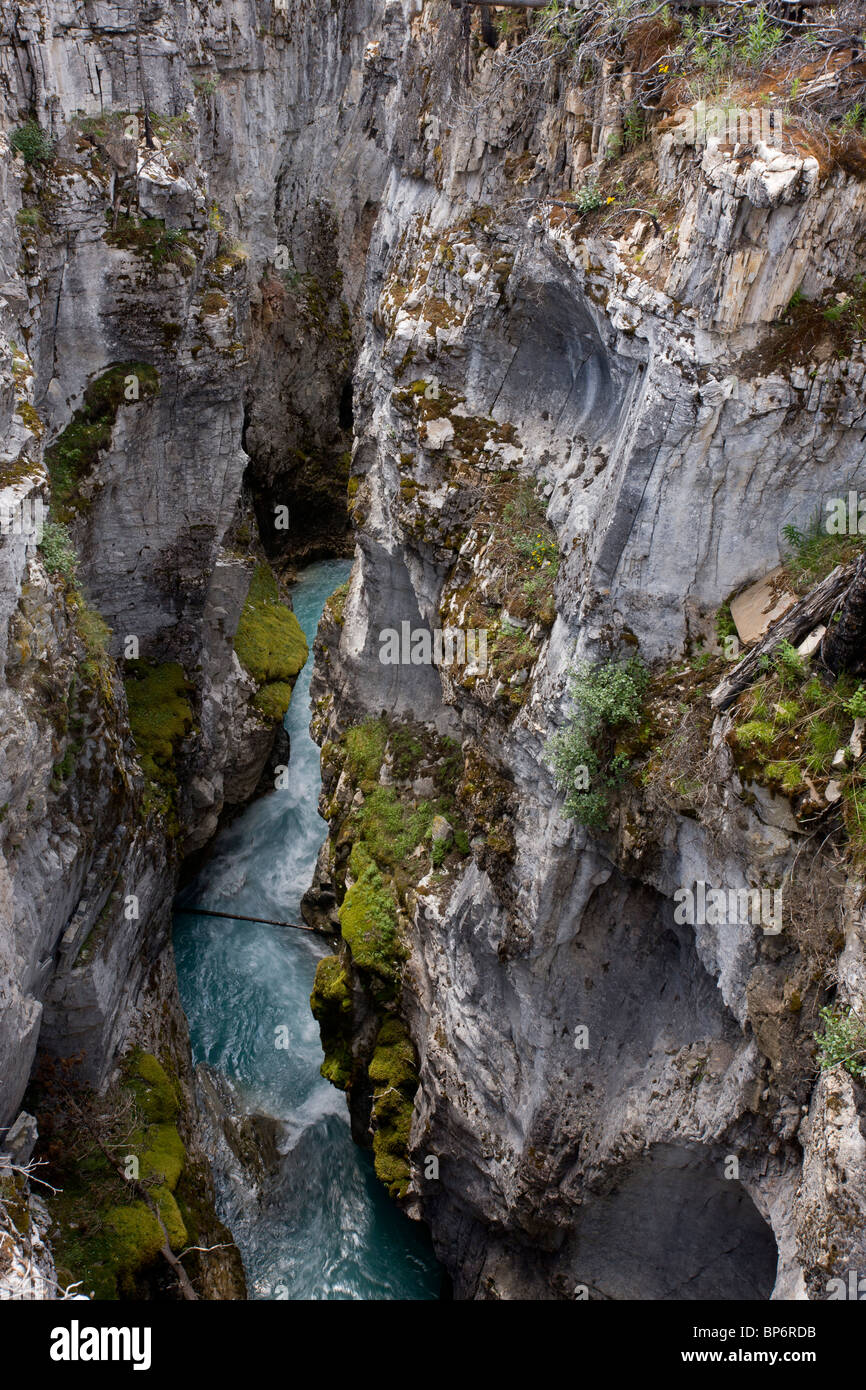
[761, 40]
[31, 142]
[843, 1041]
[789, 664]
[856, 706]
[588, 198]
[58, 552]
[581, 756]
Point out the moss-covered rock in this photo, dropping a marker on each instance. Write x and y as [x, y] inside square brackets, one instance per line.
[368, 922]
[171, 1217]
[160, 718]
[155, 1095]
[269, 641]
[73, 455]
[136, 1236]
[273, 699]
[393, 1062]
[270, 644]
[162, 1154]
[393, 1069]
[105, 1233]
[331, 1003]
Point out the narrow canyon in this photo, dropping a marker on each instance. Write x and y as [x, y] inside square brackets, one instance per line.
[432, 627]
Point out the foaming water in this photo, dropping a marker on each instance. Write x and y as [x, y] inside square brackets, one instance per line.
[327, 1229]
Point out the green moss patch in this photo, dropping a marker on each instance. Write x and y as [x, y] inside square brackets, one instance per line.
[273, 699]
[365, 750]
[153, 1089]
[74, 454]
[104, 1233]
[391, 829]
[393, 1070]
[331, 1004]
[270, 644]
[160, 718]
[149, 236]
[368, 922]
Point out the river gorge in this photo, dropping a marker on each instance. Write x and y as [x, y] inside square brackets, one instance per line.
[430, 493]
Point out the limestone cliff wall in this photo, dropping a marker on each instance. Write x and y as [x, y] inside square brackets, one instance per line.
[167, 290]
[637, 373]
[360, 192]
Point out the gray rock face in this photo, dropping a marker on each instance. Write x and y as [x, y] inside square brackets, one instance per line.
[635, 380]
[158, 261]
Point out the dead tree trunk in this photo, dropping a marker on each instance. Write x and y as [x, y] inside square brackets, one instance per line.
[148, 130]
[489, 31]
[818, 606]
[844, 644]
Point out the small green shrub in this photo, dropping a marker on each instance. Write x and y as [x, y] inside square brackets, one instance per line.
[588, 198]
[149, 236]
[761, 40]
[30, 217]
[31, 142]
[525, 507]
[58, 552]
[856, 706]
[790, 666]
[581, 756]
[824, 740]
[814, 552]
[634, 126]
[843, 1041]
